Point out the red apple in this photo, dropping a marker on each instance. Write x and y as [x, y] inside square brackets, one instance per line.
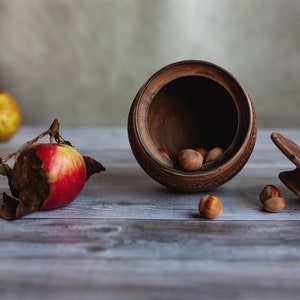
[65, 171]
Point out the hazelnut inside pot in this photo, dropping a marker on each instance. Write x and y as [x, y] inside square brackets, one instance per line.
[192, 104]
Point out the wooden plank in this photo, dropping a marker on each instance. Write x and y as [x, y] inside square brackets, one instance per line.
[130, 193]
[91, 279]
[161, 239]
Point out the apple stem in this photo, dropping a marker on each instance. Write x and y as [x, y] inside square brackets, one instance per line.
[53, 132]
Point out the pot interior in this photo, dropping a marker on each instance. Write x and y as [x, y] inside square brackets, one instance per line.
[191, 112]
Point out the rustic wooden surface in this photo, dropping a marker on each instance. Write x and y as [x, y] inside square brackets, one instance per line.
[127, 237]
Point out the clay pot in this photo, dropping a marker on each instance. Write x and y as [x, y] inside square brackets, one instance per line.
[190, 104]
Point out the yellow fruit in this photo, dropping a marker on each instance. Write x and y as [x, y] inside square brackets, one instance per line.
[10, 116]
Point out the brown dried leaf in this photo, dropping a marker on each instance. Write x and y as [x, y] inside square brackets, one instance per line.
[29, 183]
[9, 207]
[92, 166]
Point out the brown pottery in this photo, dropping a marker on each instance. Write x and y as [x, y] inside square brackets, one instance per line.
[191, 104]
[291, 150]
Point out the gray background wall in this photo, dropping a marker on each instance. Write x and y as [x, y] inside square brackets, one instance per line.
[83, 61]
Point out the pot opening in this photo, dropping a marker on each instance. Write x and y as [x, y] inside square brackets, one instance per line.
[191, 112]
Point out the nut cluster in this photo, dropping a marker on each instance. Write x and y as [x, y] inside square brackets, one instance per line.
[210, 206]
[271, 199]
[193, 159]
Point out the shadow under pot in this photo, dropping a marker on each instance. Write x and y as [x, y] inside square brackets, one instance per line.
[189, 105]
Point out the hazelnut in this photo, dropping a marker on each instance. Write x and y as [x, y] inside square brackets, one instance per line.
[269, 191]
[274, 204]
[190, 160]
[213, 154]
[164, 153]
[202, 151]
[210, 206]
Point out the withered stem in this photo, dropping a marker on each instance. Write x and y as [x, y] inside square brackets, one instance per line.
[53, 132]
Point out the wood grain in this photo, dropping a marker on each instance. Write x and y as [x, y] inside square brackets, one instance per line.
[128, 237]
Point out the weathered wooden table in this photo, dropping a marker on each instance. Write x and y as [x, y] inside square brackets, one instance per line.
[127, 237]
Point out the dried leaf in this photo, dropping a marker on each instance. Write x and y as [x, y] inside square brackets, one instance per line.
[92, 166]
[9, 207]
[29, 183]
